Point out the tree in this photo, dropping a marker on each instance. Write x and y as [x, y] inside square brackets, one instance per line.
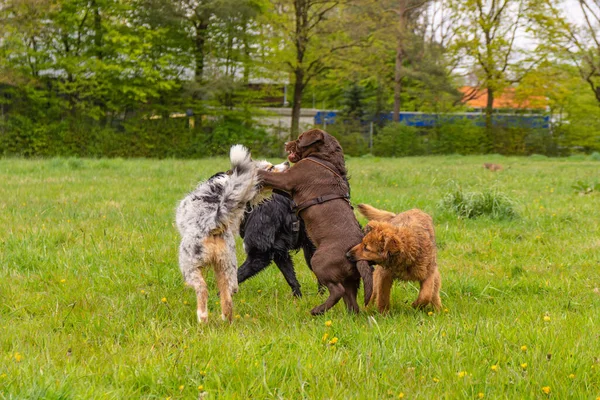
[485, 41]
[308, 34]
[578, 43]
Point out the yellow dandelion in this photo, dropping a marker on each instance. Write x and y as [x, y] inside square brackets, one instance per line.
[325, 336]
[523, 348]
[524, 365]
[164, 299]
[142, 291]
[328, 323]
[259, 290]
[462, 374]
[572, 376]
[547, 318]
[333, 341]
[436, 380]
[63, 280]
[217, 302]
[181, 388]
[480, 395]
[443, 334]
[494, 368]
[3, 376]
[430, 313]
[238, 316]
[446, 310]
[546, 389]
[201, 388]
[400, 395]
[246, 316]
[203, 373]
[185, 302]
[18, 357]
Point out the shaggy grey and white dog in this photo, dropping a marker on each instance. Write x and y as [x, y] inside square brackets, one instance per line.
[208, 219]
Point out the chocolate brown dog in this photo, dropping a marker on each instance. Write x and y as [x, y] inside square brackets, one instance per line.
[319, 188]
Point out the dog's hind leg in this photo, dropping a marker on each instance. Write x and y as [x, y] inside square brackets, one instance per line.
[286, 266]
[255, 262]
[194, 279]
[350, 292]
[190, 260]
[436, 301]
[227, 284]
[427, 293]
[309, 250]
[336, 292]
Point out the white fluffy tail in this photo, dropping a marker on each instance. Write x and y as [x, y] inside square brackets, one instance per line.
[240, 158]
[240, 188]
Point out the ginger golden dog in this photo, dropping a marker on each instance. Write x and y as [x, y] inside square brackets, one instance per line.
[403, 246]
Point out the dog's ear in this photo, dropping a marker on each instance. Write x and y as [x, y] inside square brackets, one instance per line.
[391, 245]
[311, 137]
[367, 228]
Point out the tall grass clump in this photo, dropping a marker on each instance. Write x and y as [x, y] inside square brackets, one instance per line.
[490, 203]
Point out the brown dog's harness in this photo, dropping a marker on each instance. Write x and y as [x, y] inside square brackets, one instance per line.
[325, 198]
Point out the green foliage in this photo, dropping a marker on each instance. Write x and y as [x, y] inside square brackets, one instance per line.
[398, 140]
[489, 203]
[461, 136]
[155, 138]
[351, 137]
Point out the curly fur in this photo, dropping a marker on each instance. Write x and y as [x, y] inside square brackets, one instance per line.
[268, 236]
[208, 219]
[404, 247]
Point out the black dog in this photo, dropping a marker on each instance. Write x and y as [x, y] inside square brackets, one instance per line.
[271, 230]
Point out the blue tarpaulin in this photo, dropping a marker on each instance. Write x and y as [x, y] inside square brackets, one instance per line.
[428, 120]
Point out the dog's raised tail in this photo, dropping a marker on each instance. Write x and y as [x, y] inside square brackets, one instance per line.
[366, 273]
[374, 214]
[240, 158]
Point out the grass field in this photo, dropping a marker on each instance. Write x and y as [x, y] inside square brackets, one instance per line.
[92, 303]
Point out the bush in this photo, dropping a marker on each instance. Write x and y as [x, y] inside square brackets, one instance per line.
[156, 138]
[492, 204]
[350, 137]
[459, 137]
[398, 140]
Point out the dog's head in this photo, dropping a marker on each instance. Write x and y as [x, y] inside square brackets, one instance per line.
[378, 245]
[319, 144]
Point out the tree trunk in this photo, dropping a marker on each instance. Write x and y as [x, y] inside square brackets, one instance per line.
[297, 103]
[98, 34]
[400, 37]
[200, 39]
[489, 110]
[301, 40]
[398, 82]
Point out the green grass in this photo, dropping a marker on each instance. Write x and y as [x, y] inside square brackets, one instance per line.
[88, 250]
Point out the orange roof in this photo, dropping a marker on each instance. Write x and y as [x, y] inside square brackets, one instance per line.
[506, 99]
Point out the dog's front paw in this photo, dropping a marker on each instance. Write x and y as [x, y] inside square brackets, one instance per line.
[318, 310]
